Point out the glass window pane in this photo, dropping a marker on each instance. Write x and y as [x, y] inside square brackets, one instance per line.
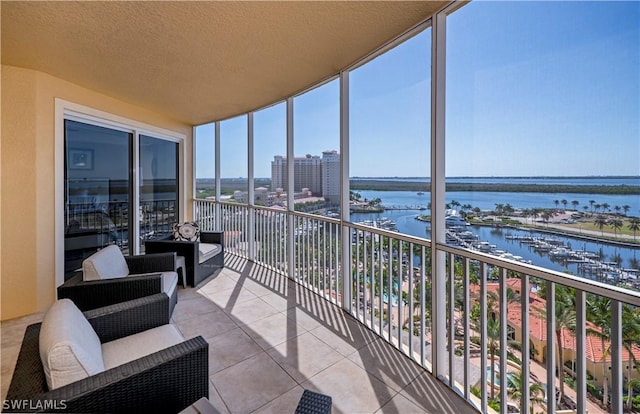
[270, 147]
[205, 161]
[233, 160]
[97, 191]
[389, 130]
[543, 120]
[158, 186]
[316, 150]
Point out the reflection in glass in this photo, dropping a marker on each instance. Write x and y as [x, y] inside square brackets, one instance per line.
[158, 186]
[96, 191]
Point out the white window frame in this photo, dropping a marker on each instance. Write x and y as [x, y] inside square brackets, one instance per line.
[65, 110]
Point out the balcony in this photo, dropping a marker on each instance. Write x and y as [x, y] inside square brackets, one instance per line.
[277, 323]
[490, 341]
[270, 338]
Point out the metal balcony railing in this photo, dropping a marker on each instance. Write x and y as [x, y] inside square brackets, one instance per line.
[498, 328]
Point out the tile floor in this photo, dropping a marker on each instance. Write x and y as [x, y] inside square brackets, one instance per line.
[270, 339]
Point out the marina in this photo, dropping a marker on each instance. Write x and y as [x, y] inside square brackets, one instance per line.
[592, 259]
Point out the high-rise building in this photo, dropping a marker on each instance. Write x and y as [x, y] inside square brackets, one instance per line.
[320, 175]
[331, 176]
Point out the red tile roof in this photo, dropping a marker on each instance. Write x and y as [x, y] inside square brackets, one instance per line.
[538, 325]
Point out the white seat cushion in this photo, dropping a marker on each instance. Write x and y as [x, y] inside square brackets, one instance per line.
[107, 263]
[136, 346]
[207, 251]
[169, 280]
[70, 349]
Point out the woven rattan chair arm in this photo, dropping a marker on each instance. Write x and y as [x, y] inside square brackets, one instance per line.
[130, 317]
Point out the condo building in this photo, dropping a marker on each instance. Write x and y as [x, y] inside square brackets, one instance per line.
[321, 175]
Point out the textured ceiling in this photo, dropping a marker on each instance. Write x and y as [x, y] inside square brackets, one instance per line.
[200, 61]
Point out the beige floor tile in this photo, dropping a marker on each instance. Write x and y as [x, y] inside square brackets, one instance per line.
[252, 383]
[275, 282]
[188, 293]
[187, 309]
[272, 330]
[219, 282]
[386, 363]
[286, 403]
[346, 336]
[278, 301]
[209, 325]
[229, 349]
[250, 311]
[351, 388]
[303, 318]
[433, 396]
[216, 400]
[304, 356]
[234, 265]
[228, 298]
[257, 288]
[401, 405]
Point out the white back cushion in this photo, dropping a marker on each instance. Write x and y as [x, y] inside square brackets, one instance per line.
[70, 349]
[107, 263]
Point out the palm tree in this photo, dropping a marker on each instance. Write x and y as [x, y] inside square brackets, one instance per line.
[605, 206]
[508, 209]
[591, 203]
[546, 216]
[617, 209]
[601, 221]
[514, 390]
[556, 202]
[585, 208]
[634, 225]
[616, 223]
[564, 203]
[575, 204]
[626, 209]
[599, 313]
[630, 338]
[493, 343]
[565, 320]
[512, 296]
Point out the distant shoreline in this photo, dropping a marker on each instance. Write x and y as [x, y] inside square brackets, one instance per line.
[401, 184]
[389, 185]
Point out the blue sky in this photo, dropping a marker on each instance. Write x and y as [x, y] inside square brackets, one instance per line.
[533, 88]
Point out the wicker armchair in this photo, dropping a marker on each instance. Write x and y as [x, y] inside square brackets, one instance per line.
[197, 269]
[145, 279]
[165, 381]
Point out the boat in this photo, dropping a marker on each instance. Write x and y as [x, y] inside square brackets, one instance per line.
[453, 221]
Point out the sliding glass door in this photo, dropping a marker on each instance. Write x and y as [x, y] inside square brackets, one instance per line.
[158, 186]
[101, 204]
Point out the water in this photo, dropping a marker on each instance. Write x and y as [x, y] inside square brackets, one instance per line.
[406, 223]
[488, 200]
[521, 180]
